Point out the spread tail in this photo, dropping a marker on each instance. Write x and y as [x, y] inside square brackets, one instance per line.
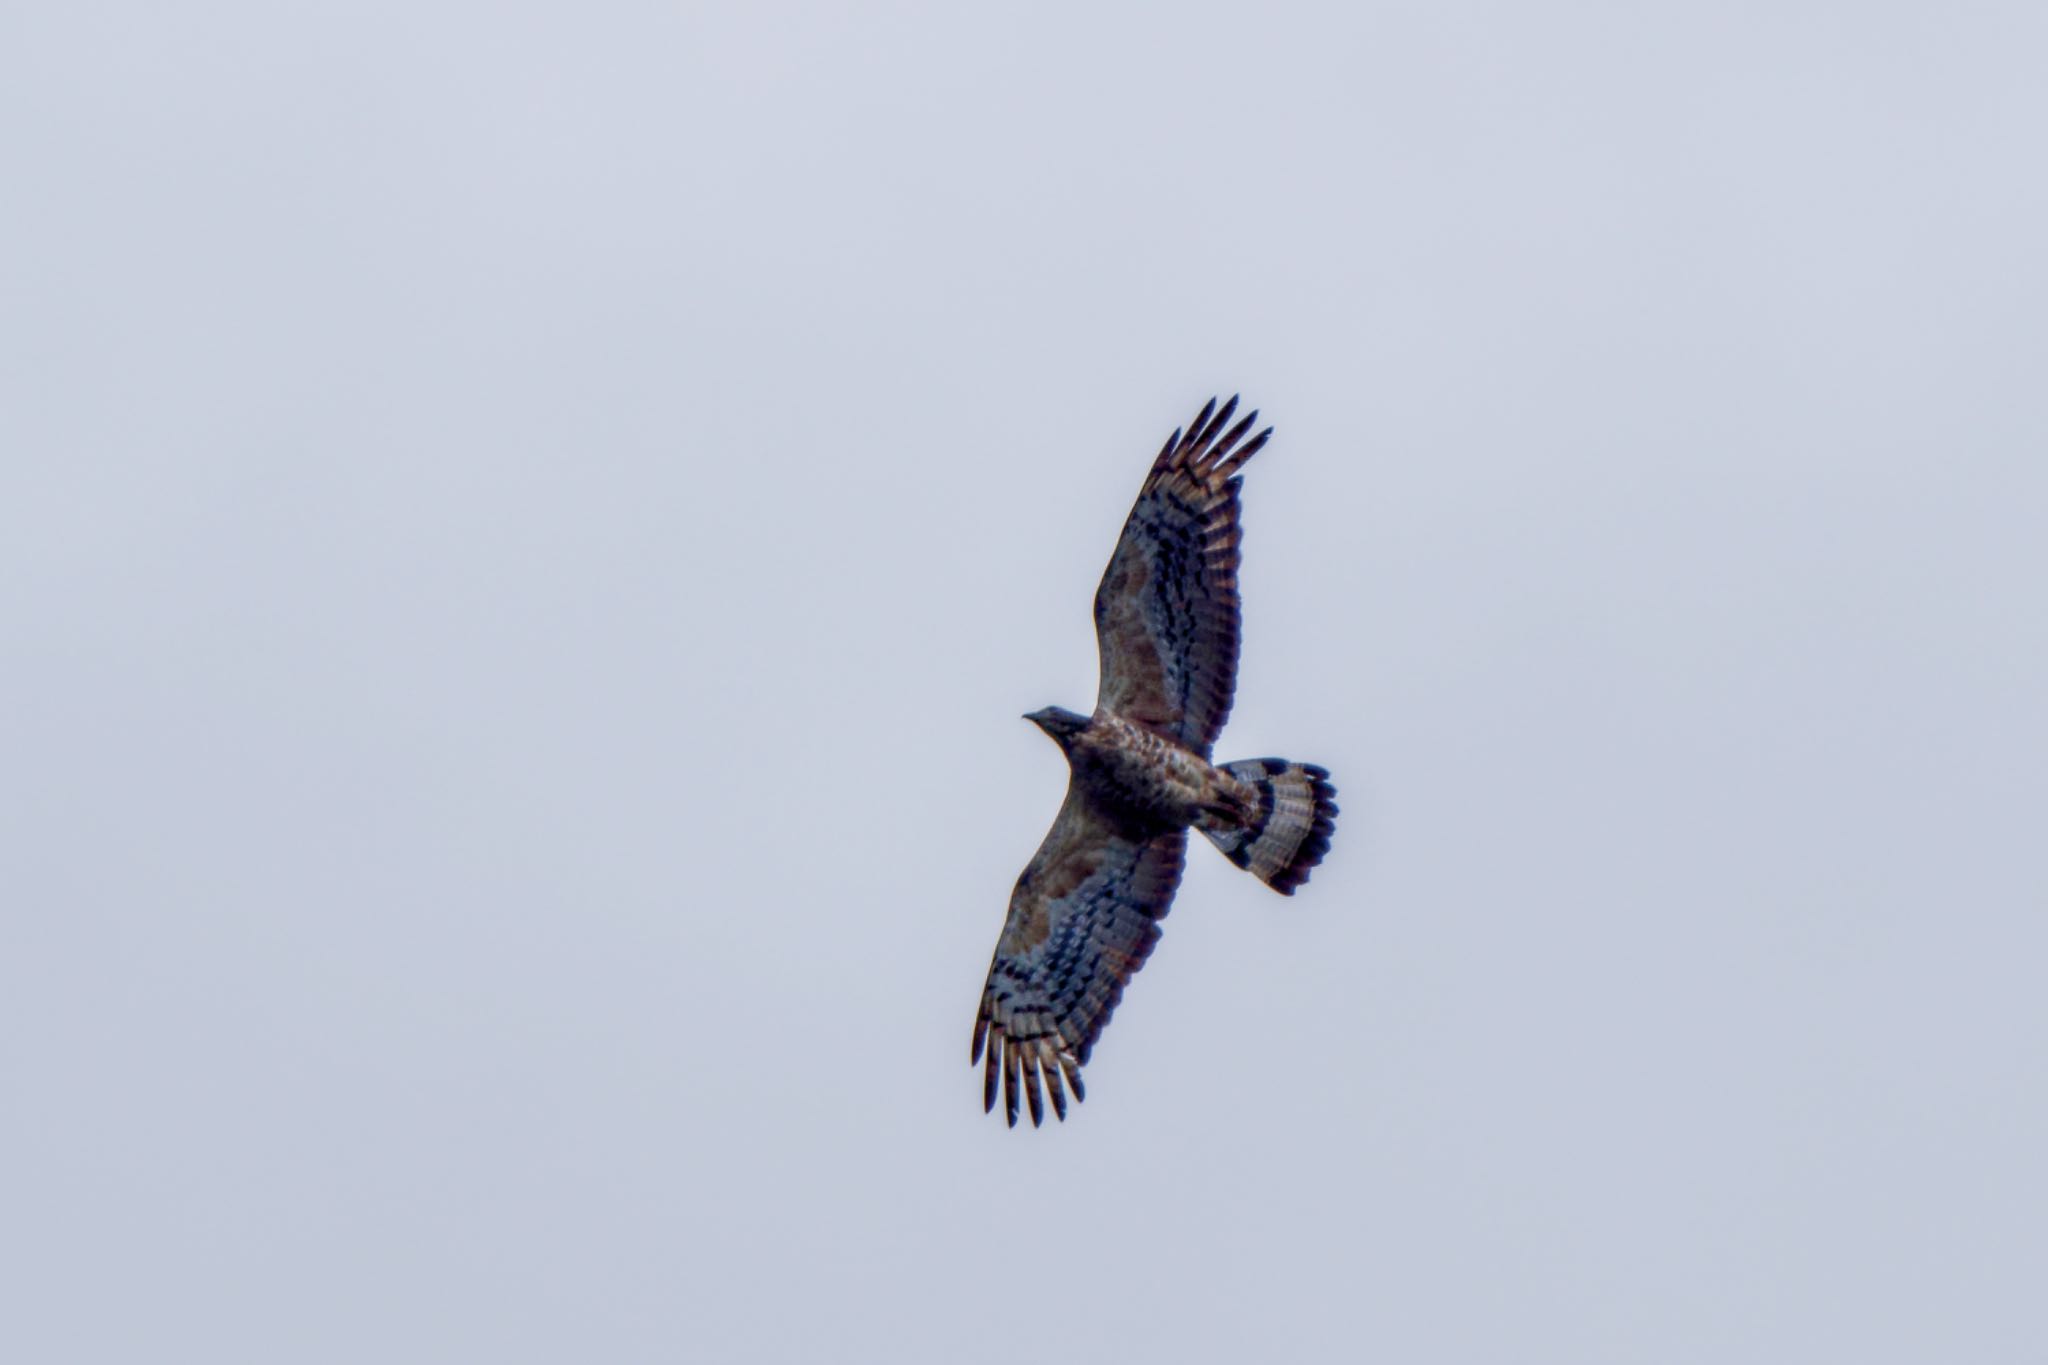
[1289, 830]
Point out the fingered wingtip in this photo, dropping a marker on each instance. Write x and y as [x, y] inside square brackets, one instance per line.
[1209, 451]
[1026, 1075]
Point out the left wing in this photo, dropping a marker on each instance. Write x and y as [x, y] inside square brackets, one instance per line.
[1082, 920]
[1166, 613]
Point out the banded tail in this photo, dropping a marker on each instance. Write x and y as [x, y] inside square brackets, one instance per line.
[1289, 832]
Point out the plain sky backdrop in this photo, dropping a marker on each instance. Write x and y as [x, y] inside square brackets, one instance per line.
[526, 531]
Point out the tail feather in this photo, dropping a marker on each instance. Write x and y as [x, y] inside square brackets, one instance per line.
[1290, 831]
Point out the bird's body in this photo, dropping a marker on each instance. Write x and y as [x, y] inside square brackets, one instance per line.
[1148, 784]
[1084, 914]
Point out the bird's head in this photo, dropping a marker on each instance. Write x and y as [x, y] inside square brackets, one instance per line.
[1058, 722]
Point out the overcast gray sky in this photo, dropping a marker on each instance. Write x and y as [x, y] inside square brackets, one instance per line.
[526, 531]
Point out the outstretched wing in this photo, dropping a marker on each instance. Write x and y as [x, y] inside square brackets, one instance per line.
[1166, 615]
[1082, 920]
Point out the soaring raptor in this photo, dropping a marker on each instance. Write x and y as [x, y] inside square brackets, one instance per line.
[1086, 912]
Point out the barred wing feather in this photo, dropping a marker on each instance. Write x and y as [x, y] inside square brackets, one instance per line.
[1166, 612]
[1082, 920]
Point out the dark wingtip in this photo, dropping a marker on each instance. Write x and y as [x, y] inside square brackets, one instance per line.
[1072, 1070]
[1236, 433]
[1223, 416]
[1202, 442]
[1031, 1091]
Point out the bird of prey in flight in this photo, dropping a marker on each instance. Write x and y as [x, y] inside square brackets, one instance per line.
[1085, 913]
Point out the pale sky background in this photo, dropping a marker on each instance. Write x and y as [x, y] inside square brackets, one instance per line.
[526, 532]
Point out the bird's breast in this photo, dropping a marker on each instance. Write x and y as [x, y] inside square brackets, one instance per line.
[1151, 783]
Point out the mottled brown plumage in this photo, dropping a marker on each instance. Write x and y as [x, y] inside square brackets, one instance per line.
[1085, 913]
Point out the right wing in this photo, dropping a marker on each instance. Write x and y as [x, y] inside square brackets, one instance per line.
[1082, 920]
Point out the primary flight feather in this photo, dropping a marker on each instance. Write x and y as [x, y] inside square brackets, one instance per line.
[1086, 911]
